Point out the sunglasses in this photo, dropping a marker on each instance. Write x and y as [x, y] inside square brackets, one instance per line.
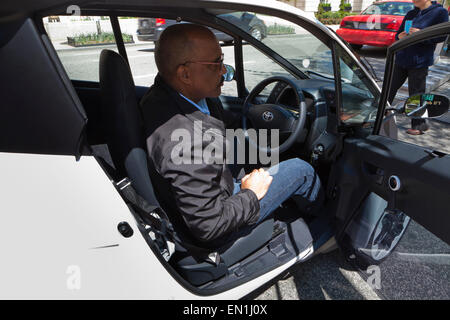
[218, 63]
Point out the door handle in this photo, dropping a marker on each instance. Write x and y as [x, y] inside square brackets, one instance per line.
[376, 173]
[434, 153]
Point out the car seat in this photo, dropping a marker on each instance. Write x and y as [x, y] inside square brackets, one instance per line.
[125, 139]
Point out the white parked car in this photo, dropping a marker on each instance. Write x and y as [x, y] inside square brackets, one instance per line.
[71, 225]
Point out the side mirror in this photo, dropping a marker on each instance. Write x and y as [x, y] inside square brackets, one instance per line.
[229, 76]
[426, 105]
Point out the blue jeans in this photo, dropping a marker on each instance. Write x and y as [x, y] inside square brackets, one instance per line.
[293, 178]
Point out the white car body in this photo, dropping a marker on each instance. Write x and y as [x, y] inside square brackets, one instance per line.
[59, 236]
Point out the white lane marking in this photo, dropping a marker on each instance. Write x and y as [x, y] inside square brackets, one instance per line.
[433, 258]
[145, 76]
[138, 56]
[70, 54]
[78, 62]
[360, 284]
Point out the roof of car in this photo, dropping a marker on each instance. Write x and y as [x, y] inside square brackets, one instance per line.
[393, 1]
[25, 7]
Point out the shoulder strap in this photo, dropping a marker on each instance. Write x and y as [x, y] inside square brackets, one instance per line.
[154, 216]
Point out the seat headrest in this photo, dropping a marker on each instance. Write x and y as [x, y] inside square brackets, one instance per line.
[120, 111]
[123, 123]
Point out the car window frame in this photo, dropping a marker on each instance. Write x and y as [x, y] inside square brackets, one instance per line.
[204, 17]
[424, 34]
[201, 16]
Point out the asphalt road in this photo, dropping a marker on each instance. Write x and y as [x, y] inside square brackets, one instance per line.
[419, 267]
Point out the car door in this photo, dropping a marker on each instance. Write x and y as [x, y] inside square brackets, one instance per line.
[385, 179]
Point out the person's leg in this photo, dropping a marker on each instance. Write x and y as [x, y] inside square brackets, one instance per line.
[292, 178]
[398, 79]
[417, 83]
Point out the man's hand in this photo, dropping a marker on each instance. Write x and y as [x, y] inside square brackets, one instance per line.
[402, 34]
[258, 181]
[412, 30]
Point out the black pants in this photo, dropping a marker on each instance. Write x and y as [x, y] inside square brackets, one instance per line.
[417, 83]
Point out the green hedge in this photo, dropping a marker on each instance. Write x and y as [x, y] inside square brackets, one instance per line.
[333, 17]
[344, 4]
[280, 29]
[95, 38]
[321, 6]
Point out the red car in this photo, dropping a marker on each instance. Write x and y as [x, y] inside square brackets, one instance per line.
[375, 26]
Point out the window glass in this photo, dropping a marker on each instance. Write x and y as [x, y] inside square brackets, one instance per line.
[292, 42]
[78, 41]
[421, 85]
[389, 8]
[140, 52]
[258, 67]
[146, 31]
[359, 95]
[229, 88]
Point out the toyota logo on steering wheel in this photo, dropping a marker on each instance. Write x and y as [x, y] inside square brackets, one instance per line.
[267, 116]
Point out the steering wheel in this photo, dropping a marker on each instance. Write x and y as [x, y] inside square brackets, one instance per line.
[274, 116]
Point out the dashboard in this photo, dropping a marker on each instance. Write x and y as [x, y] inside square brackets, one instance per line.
[359, 106]
[313, 90]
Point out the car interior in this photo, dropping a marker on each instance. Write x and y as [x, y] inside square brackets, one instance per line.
[267, 246]
[115, 136]
[107, 115]
[101, 119]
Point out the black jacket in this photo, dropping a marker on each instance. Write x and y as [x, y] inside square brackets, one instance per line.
[421, 55]
[201, 193]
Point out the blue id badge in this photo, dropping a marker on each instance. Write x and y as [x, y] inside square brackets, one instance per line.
[408, 25]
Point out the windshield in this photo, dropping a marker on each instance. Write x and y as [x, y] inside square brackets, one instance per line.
[295, 44]
[308, 54]
[389, 8]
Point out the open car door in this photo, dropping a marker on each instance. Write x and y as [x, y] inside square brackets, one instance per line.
[386, 178]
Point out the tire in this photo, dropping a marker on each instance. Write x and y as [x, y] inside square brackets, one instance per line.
[256, 33]
[356, 46]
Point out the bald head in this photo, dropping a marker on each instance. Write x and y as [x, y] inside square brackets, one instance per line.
[178, 44]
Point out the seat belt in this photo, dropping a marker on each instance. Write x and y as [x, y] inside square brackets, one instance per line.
[154, 216]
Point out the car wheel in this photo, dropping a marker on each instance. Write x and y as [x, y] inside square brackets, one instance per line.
[356, 46]
[256, 33]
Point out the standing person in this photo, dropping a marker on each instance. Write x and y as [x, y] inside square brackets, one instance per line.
[413, 62]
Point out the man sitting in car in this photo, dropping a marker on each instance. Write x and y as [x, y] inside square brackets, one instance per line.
[213, 205]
